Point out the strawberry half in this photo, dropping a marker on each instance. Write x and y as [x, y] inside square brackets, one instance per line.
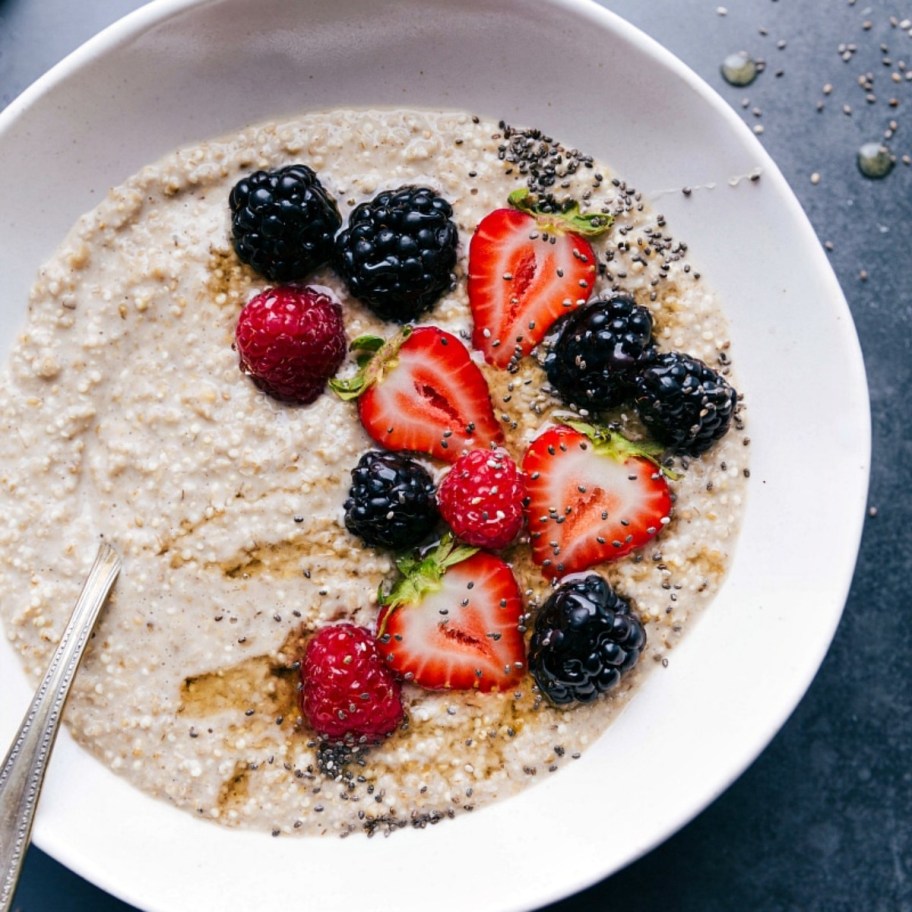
[593, 496]
[421, 392]
[452, 622]
[527, 268]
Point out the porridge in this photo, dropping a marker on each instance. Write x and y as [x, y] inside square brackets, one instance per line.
[126, 416]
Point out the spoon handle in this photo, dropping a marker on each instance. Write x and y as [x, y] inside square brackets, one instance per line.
[22, 773]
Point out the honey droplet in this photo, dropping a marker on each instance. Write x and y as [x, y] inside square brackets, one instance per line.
[875, 160]
[739, 69]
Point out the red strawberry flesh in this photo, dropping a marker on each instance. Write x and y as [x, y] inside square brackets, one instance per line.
[462, 632]
[521, 280]
[425, 394]
[585, 506]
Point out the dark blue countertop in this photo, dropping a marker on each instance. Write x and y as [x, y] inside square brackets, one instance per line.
[822, 821]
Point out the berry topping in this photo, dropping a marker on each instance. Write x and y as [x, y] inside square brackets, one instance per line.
[422, 392]
[481, 498]
[391, 501]
[398, 252]
[283, 222]
[593, 496]
[348, 694]
[586, 637]
[290, 341]
[684, 403]
[598, 351]
[452, 621]
[527, 267]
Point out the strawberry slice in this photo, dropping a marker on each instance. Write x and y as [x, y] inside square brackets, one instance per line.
[593, 496]
[453, 621]
[421, 392]
[527, 268]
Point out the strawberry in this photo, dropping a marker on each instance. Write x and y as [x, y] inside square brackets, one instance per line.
[481, 498]
[453, 621]
[526, 268]
[290, 340]
[593, 496]
[421, 392]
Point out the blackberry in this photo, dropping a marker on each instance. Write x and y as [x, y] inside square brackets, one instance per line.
[684, 403]
[586, 638]
[283, 222]
[597, 351]
[398, 252]
[391, 501]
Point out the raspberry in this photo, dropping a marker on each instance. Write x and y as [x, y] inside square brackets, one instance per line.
[482, 498]
[348, 693]
[291, 341]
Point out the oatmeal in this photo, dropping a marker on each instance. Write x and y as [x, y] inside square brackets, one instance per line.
[125, 416]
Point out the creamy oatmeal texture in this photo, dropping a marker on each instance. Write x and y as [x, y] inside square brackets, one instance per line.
[125, 416]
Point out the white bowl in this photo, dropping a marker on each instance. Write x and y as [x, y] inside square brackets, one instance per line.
[178, 71]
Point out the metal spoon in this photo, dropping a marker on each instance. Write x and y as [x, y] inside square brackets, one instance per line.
[23, 769]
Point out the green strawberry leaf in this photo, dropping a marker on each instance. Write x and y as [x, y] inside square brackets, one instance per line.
[608, 442]
[570, 218]
[374, 356]
[423, 574]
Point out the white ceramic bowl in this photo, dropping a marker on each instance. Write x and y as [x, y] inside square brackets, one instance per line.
[178, 71]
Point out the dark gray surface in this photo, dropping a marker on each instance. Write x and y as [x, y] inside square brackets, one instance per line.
[823, 820]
